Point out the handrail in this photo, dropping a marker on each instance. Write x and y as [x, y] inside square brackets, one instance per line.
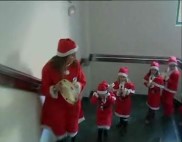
[15, 79]
[12, 78]
[130, 59]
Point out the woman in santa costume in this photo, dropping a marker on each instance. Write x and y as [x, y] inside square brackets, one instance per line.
[58, 115]
[171, 80]
[154, 82]
[104, 101]
[123, 89]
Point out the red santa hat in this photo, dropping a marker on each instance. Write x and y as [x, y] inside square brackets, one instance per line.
[123, 71]
[172, 60]
[66, 47]
[103, 88]
[154, 65]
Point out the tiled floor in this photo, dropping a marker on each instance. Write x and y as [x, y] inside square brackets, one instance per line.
[160, 131]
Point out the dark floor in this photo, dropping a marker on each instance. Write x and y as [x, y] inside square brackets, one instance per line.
[159, 131]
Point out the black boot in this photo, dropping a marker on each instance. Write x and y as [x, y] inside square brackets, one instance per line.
[153, 115]
[125, 126]
[150, 116]
[73, 139]
[105, 133]
[99, 137]
[119, 125]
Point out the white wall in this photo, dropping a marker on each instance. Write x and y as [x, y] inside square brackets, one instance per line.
[19, 116]
[30, 31]
[132, 28]
[135, 28]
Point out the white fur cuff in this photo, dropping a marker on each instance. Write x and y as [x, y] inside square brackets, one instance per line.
[78, 87]
[95, 94]
[53, 92]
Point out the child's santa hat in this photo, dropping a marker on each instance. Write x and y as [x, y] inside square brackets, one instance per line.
[123, 71]
[66, 47]
[154, 65]
[172, 60]
[103, 88]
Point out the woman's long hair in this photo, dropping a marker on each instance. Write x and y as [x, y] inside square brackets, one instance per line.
[59, 63]
[156, 74]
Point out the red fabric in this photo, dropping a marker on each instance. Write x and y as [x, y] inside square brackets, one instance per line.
[167, 97]
[123, 104]
[59, 115]
[65, 45]
[81, 115]
[104, 116]
[172, 59]
[123, 70]
[153, 98]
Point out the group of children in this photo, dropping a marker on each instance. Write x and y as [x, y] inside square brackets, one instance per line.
[161, 89]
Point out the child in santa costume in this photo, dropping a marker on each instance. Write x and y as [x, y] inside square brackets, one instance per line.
[58, 115]
[171, 80]
[104, 101]
[123, 89]
[154, 82]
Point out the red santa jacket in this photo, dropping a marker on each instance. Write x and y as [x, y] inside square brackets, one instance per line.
[171, 82]
[104, 110]
[154, 91]
[53, 108]
[123, 98]
[170, 87]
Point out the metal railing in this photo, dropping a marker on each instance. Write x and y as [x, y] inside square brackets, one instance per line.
[15, 79]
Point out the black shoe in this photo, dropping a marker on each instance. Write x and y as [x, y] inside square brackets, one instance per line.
[119, 125]
[105, 133]
[73, 139]
[99, 136]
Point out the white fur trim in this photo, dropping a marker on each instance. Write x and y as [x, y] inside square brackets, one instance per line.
[72, 134]
[102, 92]
[126, 119]
[78, 87]
[114, 98]
[95, 94]
[67, 53]
[115, 89]
[62, 136]
[53, 93]
[103, 127]
[169, 90]
[151, 86]
[154, 67]
[153, 108]
[122, 74]
[81, 119]
[173, 63]
[130, 91]
[111, 85]
[120, 115]
[158, 85]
